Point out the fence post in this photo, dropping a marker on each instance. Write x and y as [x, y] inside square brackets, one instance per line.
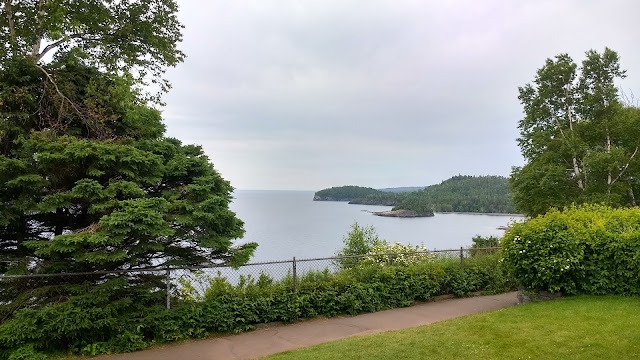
[295, 276]
[168, 274]
[461, 258]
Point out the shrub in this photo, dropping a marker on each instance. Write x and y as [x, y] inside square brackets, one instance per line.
[359, 241]
[384, 253]
[590, 249]
[104, 319]
[98, 323]
[484, 245]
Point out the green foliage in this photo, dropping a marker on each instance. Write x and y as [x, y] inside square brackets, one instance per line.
[113, 204]
[344, 193]
[358, 242]
[115, 317]
[88, 180]
[484, 245]
[27, 353]
[488, 194]
[94, 320]
[421, 207]
[384, 253]
[138, 37]
[485, 194]
[590, 249]
[579, 138]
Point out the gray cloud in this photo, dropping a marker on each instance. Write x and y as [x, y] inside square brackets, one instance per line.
[309, 94]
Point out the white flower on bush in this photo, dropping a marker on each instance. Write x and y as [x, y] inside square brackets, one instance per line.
[397, 253]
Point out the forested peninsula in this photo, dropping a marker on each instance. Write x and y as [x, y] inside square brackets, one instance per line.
[477, 194]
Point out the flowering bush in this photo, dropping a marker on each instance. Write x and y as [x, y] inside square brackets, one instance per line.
[590, 249]
[384, 253]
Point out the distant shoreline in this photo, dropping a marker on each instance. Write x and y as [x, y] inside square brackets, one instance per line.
[401, 213]
[452, 212]
[479, 213]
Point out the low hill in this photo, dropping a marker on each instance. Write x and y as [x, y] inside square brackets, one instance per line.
[481, 194]
[344, 193]
[403, 189]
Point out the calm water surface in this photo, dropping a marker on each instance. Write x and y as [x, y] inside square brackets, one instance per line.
[289, 223]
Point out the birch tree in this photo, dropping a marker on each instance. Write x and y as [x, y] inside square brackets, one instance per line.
[137, 37]
[579, 139]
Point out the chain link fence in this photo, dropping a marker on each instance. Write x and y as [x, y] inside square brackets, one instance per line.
[28, 291]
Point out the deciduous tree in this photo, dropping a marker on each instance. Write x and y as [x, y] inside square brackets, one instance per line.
[579, 139]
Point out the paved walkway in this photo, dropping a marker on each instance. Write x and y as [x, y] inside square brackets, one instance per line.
[278, 338]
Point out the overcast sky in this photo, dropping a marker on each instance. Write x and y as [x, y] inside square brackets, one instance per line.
[307, 94]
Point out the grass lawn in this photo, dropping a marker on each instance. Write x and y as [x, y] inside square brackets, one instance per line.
[585, 327]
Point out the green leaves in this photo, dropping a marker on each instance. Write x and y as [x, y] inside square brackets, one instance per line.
[459, 193]
[89, 181]
[577, 136]
[116, 316]
[138, 36]
[589, 249]
[359, 241]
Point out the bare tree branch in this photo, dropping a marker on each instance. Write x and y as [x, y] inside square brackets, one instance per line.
[625, 167]
[89, 118]
[58, 90]
[58, 43]
[629, 99]
[49, 48]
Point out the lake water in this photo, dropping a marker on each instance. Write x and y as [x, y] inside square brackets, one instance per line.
[289, 223]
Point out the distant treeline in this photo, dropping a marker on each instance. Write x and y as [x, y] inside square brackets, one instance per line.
[482, 194]
[344, 193]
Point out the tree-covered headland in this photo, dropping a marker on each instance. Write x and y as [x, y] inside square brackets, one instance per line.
[481, 194]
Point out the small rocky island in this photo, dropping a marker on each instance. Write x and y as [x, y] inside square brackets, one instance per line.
[369, 196]
[403, 213]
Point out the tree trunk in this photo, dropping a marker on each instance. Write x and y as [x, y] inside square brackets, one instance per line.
[21, 235]
[12, 27]
[576, 167]
[576, 173]
[39, 31]
[608, 147]
[59, 227]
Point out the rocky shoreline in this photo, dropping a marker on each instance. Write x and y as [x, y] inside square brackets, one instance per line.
[401, 213]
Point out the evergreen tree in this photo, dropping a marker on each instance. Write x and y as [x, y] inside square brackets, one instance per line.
[88, 180]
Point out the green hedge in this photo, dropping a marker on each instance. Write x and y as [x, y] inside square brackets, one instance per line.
[98, 322]
[589, 249]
